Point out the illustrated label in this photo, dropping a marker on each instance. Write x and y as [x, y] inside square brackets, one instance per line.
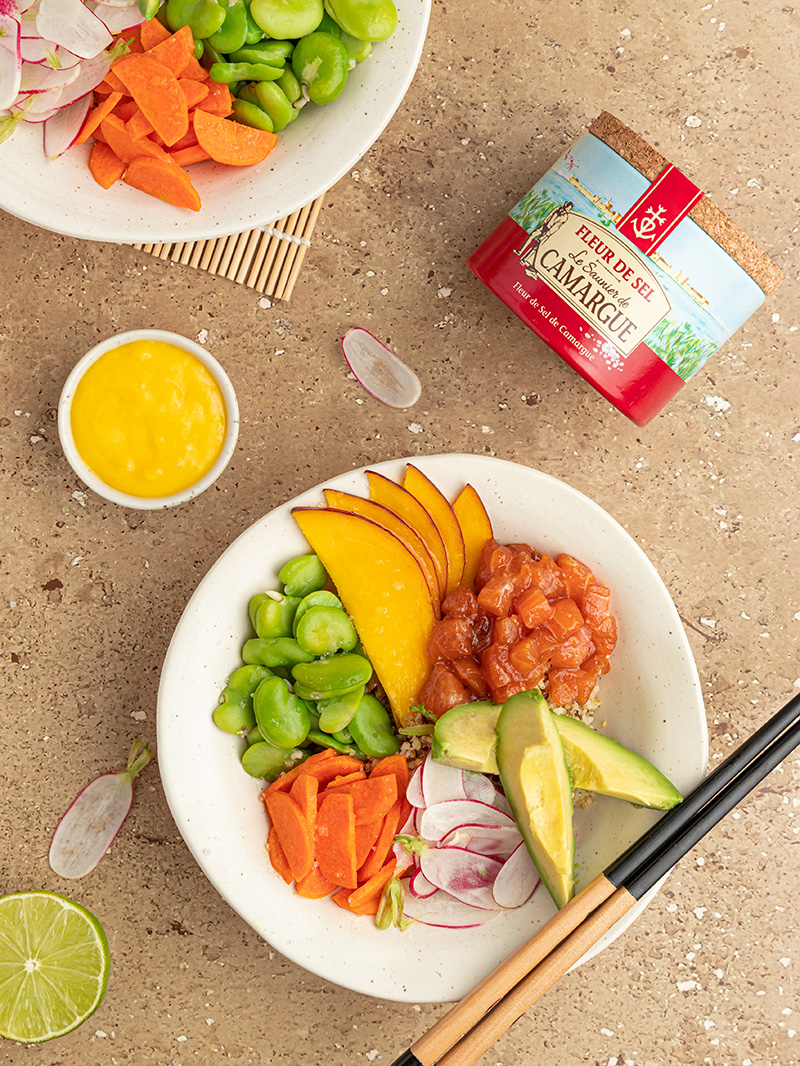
[599, 275]
[658, 211]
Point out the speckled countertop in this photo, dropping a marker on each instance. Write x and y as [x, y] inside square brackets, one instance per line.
[709, 490]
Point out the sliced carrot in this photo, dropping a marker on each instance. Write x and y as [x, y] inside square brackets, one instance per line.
[230, 142]
[194, 91]
[393, 764]
[284, 782]
[104, 166]
[380, 852]
[155, 89]
[372, 888]
[338, 767]
[196, 72]
[314, 885]
[164, 179]
[219, 101]
[175, 51]
[152, 33]
[123, 145]
[346, 779]
[372, 798]
[293, 829]
[132, 38]
[96, 116]
[126, 109]
[336, 840]
[277, 856]
[366, 836]
[342, 898]
[304, 793]
[138, 126]
[187, 157]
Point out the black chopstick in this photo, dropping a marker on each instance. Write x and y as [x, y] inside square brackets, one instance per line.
[521, 979]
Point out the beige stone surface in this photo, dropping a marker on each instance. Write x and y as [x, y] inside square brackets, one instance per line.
[91, 592]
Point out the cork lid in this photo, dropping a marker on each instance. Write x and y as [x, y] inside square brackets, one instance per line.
[706, 214]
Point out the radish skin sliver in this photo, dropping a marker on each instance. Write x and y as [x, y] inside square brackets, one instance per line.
[89, 827]
[378, 369]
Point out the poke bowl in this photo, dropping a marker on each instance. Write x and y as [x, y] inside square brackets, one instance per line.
[310, 156]
[650, 701]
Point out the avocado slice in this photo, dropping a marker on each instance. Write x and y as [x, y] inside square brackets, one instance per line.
[600, 764]
[464, 737]
[537, 784]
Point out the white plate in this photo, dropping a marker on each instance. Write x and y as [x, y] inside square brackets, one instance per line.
[311, 156]
[651, 702]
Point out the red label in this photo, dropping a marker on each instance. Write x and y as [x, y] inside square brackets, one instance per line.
[659, 210]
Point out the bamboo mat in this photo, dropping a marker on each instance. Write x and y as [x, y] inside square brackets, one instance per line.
[267, 259]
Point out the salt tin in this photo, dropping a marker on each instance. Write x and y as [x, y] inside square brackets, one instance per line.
[625, 269]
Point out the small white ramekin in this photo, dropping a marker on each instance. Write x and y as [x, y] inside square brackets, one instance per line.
[90, 479]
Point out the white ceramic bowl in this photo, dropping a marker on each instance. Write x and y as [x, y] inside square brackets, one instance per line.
[651, 702]
[311, 156]
[90, 479]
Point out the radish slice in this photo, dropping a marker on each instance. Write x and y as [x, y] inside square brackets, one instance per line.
[71, 23]
[466, 875]
[420, 886]
[444, 912]
[517, 881]
[39, 78]
[440, 782]
[414, 789]
[61, 131]
[382, 374]
[35, 50]
[89, 827]
[117, 19]
[478, 787]
[441, 818]
[10, 55]
[499, 841]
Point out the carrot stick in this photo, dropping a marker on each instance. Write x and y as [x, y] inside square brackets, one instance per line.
[304, 793]
[104, 166]
[336, 840]
[155, 89]
[277, 856]
[294, 832]
[230, 142]
[96, 116]
[366, 837]
[372, 798]
[314, 885]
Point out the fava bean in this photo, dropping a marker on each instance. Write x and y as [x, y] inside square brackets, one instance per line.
[293, 92]
[203, 17]
[320, 62]
[227, 73]
[329, 26]
[268, 762]
[275, 651]
[273, 52]
[337, 712]
[325, 630]
[334, 676]
[286, 20]
[357, 51]
[302, 575]
[254, 31]
[250, 114]
[322, 598]
[275, 617]
[372, 729]
[281, 716]
[271, 100]
[235, 713]
[233, 31]
[324, 740]
[366, 20]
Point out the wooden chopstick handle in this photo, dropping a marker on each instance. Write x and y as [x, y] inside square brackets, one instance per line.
[531, 988]
[430, 1047]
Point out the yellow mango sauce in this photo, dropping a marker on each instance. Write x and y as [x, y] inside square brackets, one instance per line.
[148, 419]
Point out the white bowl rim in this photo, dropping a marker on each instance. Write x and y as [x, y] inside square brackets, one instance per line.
[76, 461]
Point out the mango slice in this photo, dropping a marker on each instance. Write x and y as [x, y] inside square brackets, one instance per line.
[383, 588]
[438, 507]
[476, 528]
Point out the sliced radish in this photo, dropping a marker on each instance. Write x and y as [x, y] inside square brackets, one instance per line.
[502, 803]
[71, 23]
[444, 912]
[39, 78]
[378, 369]
[37, 50]
[61, 131]
[37, 107]
[118, 19]
[478, 787]
[517, 881]
[89, 827]
[420, 886]
[465, 874]
[10, 54]
[499, 841]
[414, 789]
[92, 72]
[440, 782]
[440, 819]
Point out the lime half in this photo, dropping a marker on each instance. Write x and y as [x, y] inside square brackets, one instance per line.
[54, 965]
